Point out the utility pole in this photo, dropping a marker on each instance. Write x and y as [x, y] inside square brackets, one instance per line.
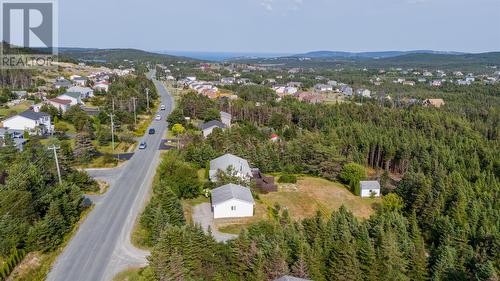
[54, 147]
[135, 114]
[112, 133]
[147, 97]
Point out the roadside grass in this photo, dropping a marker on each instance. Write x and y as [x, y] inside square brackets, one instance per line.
[132, 274]
[36, 265]
[303, 199]
[201, 175]
[138, 235]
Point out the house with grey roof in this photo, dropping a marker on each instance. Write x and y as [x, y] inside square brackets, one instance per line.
[62, 83]
[35, 123]
[369, 188]
[232, 201]
[17, 136]
[208, 127]
[85, 92]
[229, 161]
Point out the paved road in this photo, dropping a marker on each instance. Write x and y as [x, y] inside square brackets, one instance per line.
[101, 247]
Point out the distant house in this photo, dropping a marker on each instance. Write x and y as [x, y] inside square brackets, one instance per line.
[433, 102]
[323, 87]
[79, 81]
[290, 278]
[62, 83]
[209, 126]
[101, 86]
[363, 93]
[409, 83]
[38, 123]
[225, 118]
[369, 188]
[346, 90]
[274, 137]
[238, 164]
[17, 137]
[60, 104]
[310, 97]
[75, 98]
[85, 92]
[228, 80]
[436, 83]
[232, 201]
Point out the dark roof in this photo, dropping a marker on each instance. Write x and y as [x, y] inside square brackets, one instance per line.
[33, 115]
[211, 124]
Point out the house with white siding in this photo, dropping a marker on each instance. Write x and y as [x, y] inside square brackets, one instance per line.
[370, 188]
[232, 201]
[223, 163]
[35, 123]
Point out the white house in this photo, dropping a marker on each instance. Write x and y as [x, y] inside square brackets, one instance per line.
[208, 127]
[238, 164]
[85, 92]
[75, 98]
[232, 201]
[370, 187]
[80, 81]
[33, 122]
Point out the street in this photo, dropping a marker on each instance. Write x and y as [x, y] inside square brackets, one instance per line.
[101, 247]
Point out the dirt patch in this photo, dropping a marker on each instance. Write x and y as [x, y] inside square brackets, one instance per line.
[32, 260]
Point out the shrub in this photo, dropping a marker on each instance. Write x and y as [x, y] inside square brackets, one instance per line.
[287, 178]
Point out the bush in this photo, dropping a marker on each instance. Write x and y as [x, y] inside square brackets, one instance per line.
[287, 178]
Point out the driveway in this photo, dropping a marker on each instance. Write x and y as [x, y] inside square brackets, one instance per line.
[202, 215]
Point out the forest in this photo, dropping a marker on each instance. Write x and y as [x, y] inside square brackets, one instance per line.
[36, 211]
[439, 169]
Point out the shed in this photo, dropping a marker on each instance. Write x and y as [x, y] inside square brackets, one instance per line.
[370, 187]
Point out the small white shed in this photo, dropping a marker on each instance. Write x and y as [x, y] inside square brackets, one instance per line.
[370, 187]
[232, 201]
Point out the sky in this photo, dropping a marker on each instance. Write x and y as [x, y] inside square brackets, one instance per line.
[281, 26]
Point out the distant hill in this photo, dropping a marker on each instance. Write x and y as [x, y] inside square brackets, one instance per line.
[374, 55]
[117, 55]
[420, 59]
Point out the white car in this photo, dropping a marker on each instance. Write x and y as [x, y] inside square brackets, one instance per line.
[158, 117]
[163, 107]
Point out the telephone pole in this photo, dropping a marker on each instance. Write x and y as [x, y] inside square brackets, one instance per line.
[135, 114]
[147, 97]
[54, 147]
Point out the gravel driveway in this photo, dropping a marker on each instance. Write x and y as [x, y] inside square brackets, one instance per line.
[202, 215]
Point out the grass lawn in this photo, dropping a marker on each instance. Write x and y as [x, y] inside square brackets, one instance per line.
[303, 200]
[17, 108]
[311, 194]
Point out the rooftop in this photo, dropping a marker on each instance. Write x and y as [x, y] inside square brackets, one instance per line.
[369, 185]
[231, 191]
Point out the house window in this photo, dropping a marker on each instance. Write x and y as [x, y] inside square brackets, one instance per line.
[233, 208]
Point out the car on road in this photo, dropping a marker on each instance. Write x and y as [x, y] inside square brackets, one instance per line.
[163, 107]
[158, 117]
[152, 131]
[142, 145]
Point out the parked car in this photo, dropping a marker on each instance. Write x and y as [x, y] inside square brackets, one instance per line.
[158, 117]
[152, 131]
[163, 107]
[142, 145]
